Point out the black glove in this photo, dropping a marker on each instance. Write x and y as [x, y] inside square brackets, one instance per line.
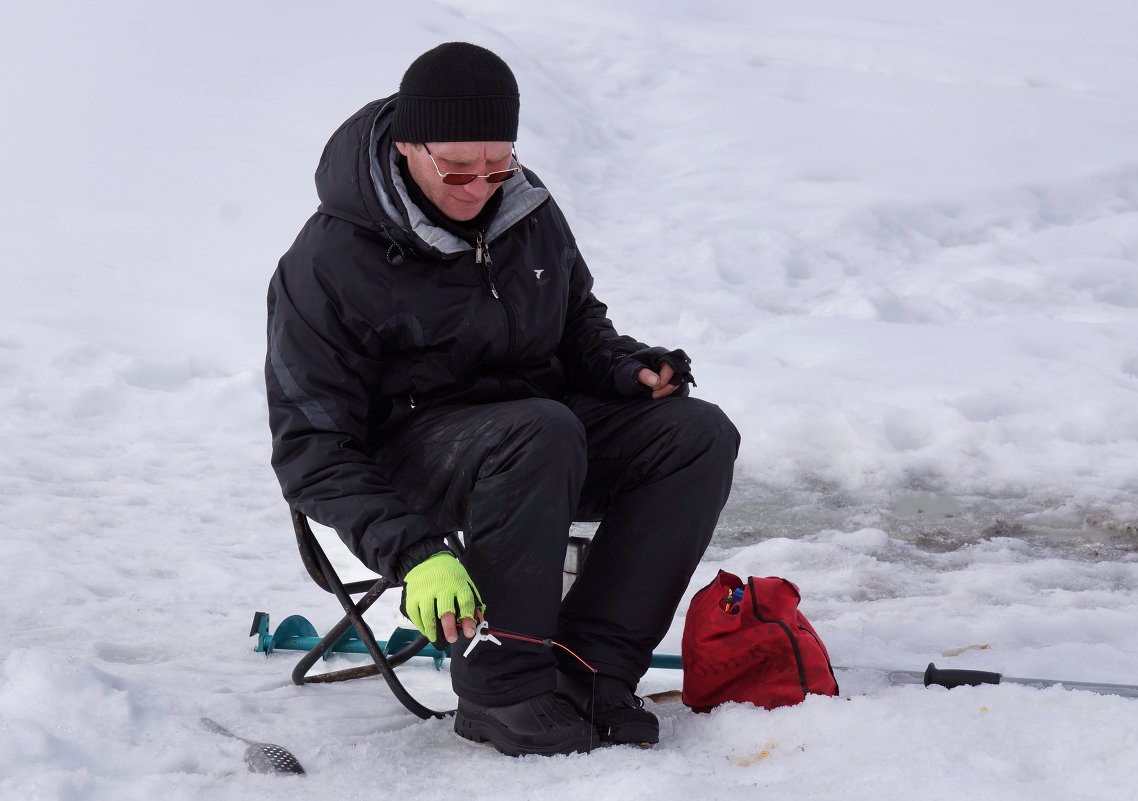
[624, 378]
[680, 364]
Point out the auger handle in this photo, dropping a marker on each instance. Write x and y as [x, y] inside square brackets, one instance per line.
[959, 678]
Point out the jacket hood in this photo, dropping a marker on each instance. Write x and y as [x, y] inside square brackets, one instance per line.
[357, 180]
[343, 177]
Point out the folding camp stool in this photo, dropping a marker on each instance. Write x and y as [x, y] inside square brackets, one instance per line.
[319, 567]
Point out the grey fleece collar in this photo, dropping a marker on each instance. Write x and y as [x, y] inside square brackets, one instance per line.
[519, 198]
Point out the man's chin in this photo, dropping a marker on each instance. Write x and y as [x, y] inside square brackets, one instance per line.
[462, 214]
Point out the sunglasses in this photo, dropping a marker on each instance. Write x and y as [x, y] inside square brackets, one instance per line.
[464, 178]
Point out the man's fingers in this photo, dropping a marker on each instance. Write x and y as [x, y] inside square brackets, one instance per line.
[450, 627]
[450, 630]
[648, 378]
[665, 387]
[660, 383]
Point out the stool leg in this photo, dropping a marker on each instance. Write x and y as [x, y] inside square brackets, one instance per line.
[318, 565]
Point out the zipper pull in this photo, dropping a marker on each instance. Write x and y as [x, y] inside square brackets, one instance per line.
[482, 256]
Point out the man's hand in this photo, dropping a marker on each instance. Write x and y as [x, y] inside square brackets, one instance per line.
[659, 382]
[438, 591]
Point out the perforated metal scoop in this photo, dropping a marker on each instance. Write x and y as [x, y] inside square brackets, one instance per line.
[260, 757]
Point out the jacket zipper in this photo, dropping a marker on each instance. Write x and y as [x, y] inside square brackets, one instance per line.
[482, 256]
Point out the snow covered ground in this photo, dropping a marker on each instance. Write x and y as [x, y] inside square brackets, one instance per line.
[899, 240]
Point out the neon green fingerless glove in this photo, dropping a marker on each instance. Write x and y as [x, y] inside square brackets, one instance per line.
[435, 586]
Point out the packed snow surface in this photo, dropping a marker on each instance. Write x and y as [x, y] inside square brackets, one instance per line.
[899, 240]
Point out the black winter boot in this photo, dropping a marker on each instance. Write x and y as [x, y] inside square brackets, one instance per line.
[616, 711]
[545, 724]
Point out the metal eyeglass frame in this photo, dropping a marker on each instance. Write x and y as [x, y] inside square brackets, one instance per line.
[464, 178]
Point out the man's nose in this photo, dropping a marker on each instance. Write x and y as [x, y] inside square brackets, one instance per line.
[479, 187]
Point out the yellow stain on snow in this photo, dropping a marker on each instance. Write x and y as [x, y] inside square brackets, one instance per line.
[983, 646]
[758, 757]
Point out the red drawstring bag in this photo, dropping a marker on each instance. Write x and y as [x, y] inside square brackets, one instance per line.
[752, 646]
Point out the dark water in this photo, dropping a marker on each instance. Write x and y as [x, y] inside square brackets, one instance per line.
[935, 522]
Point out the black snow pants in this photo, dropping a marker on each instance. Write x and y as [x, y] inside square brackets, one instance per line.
[512, 476]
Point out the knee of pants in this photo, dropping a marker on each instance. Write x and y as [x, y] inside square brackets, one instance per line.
[704, 428]
[541, 430]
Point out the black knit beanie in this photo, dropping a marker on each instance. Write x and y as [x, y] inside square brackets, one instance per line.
[457, 92]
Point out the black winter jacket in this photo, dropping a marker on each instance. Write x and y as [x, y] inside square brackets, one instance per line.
[375, 314]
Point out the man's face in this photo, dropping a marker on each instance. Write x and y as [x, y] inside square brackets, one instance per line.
[460, 203]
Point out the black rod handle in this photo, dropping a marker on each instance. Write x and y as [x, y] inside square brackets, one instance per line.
[959, 678]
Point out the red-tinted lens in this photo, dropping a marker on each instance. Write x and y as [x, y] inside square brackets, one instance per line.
[503, 175]
[459, 178]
